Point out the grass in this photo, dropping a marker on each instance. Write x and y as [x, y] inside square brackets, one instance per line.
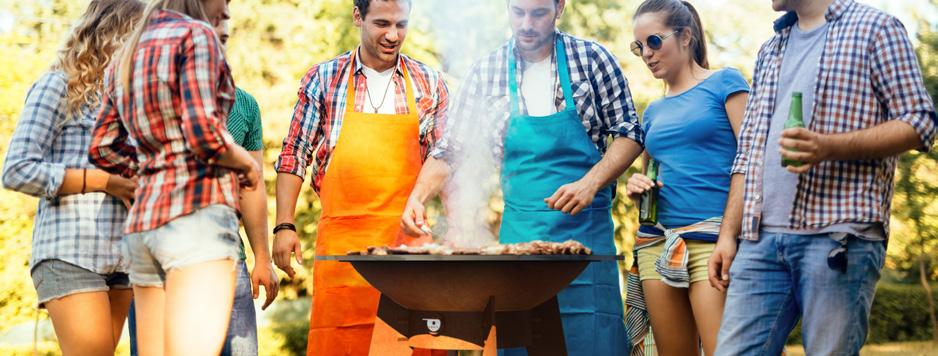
[917, 348]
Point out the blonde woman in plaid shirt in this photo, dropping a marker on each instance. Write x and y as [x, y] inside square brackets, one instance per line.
[813, 236]
[76, 263]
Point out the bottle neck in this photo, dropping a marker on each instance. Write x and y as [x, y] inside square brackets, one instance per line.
[796, 111]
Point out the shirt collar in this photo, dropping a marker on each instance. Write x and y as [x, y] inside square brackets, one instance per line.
[833, 13]
[399, 69]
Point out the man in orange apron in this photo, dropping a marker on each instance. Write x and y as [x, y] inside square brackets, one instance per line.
[365, 121]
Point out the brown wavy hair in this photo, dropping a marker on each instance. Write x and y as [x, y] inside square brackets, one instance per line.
[99, 32]
[191, 8]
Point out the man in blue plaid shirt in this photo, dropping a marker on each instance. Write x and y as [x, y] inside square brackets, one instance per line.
[813, 236]
[558, 115]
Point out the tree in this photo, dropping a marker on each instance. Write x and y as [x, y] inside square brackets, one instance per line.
[916, 185]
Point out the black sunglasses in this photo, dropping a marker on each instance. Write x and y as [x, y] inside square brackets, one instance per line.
[654, 42]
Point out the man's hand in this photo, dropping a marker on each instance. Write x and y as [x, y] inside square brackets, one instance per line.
[809, 148]
[285, 242]
[572, 198]
[263, 274]
[718, 268]
[414, 220]
[248, 178]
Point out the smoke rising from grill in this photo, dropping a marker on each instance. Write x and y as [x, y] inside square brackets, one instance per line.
[465, 31]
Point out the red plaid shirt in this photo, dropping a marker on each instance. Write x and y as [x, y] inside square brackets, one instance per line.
[317, 117]
[170, 128]
[868, 74]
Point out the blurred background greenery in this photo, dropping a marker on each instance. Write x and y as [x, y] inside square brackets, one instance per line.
[274, 42]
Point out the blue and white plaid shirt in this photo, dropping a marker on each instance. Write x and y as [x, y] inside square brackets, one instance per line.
[868, 75]
[81, 229]
[600, 92]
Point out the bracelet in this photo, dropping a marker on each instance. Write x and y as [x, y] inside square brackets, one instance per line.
[284, 226]
[84, 179]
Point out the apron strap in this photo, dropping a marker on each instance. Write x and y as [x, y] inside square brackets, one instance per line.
[562, 69]
[408, 90]
[350, 88]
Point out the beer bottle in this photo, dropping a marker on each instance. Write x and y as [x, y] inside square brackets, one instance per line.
[795, 119]
[648, 206]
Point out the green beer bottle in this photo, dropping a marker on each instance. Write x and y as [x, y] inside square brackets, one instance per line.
[648, 206]
[795, 119]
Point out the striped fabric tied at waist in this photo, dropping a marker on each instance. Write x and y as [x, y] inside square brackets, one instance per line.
[671, 265]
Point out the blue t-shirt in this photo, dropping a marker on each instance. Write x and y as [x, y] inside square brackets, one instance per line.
[690, 135]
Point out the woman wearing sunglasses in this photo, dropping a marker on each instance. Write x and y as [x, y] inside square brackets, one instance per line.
[691, 133]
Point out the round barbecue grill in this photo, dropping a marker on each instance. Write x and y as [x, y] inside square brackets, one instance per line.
[456, 302]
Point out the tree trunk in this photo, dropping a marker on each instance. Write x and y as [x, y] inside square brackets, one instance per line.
[931, 300]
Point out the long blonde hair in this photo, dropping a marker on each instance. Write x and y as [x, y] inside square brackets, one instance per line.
[191, 8]
[98, 34]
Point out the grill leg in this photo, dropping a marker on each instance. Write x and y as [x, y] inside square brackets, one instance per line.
[547, 330]
[385, 340]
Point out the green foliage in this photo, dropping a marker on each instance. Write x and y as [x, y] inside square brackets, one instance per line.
[928, 58]
[916, 219]
[291, 320]
[27, 50]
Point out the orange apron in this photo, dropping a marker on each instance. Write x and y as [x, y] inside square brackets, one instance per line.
[373, 169]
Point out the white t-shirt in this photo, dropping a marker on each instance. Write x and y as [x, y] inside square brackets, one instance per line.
[377, 82]
[537, 88]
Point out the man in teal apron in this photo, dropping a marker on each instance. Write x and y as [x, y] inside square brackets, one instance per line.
[556, 99]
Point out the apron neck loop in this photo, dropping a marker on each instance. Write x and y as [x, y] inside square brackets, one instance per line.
[350, 87]
[563, 71]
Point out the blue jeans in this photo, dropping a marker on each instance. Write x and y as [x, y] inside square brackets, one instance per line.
[782, 278]
[242, 329]
[132, 328]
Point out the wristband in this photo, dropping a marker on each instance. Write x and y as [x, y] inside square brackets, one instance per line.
[284, 226]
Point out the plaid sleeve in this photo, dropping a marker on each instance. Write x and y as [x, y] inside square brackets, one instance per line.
[203, 120]
[617, 111]
[748, 126]
[24, 169]
[303, 135]
[109, 149]
[897, 80]
[438, 113]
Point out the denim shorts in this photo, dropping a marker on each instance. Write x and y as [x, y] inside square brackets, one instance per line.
[208, 234]
[55, 279]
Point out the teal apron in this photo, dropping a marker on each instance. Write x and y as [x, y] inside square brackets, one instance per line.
[540, 155]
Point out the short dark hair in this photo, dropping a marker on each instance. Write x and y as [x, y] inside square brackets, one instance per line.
[363, 5]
